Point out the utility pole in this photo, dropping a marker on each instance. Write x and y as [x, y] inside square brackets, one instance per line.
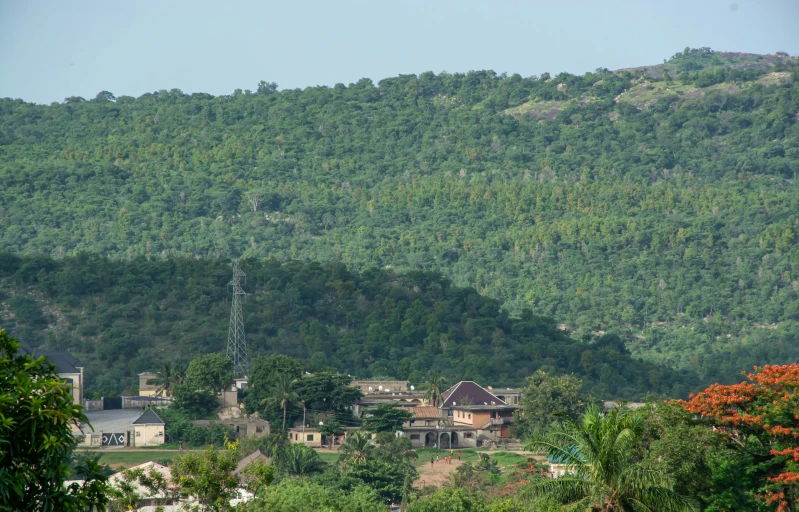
[236, 347]
[303, 422]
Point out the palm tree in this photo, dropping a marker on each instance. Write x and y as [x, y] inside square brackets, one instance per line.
[600, 452]
[436, 384]
[168, 377]
[356, 448]
[282, 395]
[299, 460]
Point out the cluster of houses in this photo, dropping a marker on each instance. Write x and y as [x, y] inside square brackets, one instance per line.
[469, 415]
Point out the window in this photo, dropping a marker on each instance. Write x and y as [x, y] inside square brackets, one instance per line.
[450, 413]
[310, 437]
[467, 435]
[414, 437]
[470, 415]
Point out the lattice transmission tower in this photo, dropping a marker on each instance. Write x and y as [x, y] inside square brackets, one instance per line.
[236, 346]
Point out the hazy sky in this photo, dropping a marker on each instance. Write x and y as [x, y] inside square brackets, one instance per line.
[53, 49]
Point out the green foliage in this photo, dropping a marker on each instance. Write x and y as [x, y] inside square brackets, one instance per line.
[207, 478]
[179, 428]
[257, 477]
[298, 495]
[683, 449]
[327, 392]
[545, 398]
[386, 418]
[450, 500]
[298, 460]
[265, 371]
[374, 323]
[357, 448]
[670, 222]
[194, 404]
[210, 372]
[36, 440]
[268, 444]
[390, 481]
[601, 453]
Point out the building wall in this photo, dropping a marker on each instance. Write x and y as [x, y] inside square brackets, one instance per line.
[148, 435]
[309, 438]
[471, 418]
[392, 386]
[147, 389]
[77, 386]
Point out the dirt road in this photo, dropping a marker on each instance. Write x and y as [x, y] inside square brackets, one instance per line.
[434, 474]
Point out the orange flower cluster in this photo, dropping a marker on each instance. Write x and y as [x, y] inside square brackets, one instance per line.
[767, 407]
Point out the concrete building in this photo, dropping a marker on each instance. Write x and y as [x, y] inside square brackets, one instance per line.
[468, 404]
[68, 368]
[146, 389]
[311, 436]
[369, 387]
[244, 427]
[148, 429]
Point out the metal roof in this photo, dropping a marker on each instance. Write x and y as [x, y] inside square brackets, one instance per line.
[149, 417]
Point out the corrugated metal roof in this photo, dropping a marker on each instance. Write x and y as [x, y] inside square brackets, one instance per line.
[425, 411]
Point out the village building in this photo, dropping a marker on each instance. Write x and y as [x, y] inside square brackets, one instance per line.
[312, 437]
[148, 429]
[469, 416]
[67, 366]
[369, 387]
[146, 387]
[243, 427]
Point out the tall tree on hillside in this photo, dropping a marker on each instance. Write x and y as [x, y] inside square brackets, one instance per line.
[601, 452]
[436, 385]
[282, 395]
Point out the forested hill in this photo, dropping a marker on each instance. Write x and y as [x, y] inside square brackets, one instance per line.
[657, 204]
[122, 318]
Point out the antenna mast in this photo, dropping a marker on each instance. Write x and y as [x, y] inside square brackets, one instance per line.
[236, 347]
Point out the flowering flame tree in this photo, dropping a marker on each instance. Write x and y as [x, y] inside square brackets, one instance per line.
[762, 414]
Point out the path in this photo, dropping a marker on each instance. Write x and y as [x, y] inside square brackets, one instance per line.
[435, 474]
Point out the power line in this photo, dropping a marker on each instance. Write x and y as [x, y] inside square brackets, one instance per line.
[236, 346]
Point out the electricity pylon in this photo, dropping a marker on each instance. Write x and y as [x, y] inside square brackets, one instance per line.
[236, 347]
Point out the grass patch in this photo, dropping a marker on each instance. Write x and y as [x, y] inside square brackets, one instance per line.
[424, 454]
[329, 456]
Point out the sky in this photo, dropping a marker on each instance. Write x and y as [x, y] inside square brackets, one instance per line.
[52, 49]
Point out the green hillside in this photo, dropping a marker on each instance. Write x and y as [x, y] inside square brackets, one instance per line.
[122, 318]
[662, 207]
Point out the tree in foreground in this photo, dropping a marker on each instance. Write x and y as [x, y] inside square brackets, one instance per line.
[759, 418]
[601, 452]
[295, 495]
[36, 439]
[207, 477]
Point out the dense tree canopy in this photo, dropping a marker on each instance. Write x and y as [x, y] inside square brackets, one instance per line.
[660, 206]
[123, 318]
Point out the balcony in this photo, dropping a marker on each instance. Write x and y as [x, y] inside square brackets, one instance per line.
[501, 421]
